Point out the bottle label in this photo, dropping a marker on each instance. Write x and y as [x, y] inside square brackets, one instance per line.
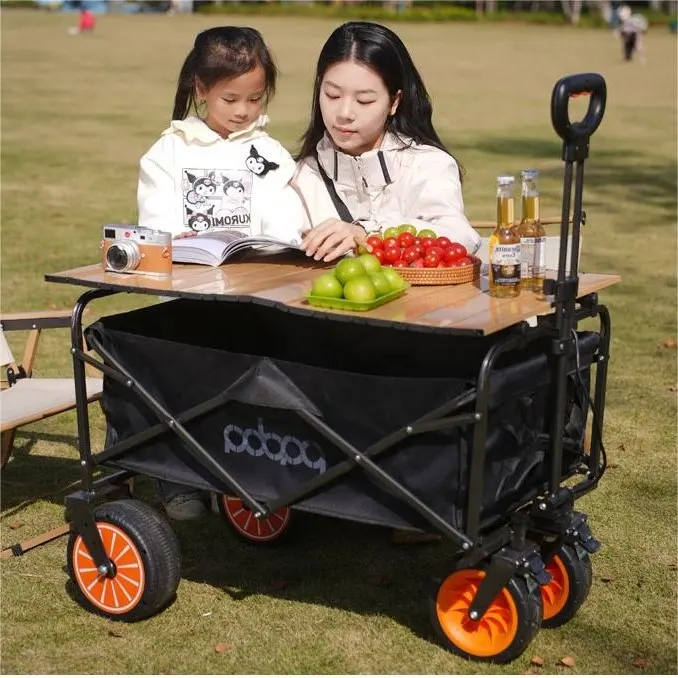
[505, 263]
[532, 257]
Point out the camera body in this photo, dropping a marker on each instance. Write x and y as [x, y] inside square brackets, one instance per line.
[144, 251]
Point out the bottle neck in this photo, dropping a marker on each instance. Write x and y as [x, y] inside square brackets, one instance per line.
[505, 211]
[530, 208]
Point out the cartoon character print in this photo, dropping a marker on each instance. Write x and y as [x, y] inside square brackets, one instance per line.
[234, 192]
[199, 221]
[257, 164]
[201, 188]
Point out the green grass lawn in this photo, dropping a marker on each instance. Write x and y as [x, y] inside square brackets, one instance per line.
[78, 112]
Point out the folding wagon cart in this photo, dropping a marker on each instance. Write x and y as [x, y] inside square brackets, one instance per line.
[444, 411]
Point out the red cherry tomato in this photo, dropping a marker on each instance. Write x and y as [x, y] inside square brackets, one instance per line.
[421, 252]
[400, 264]
[392, 254]
[464, 261]
[410, 254]
[406, 240]
[417, 263]
[375, 242]
[454, 251]
[390, 242]
[443, 242]
[379, 253]
[431, 260]
[428, 242]
[438, 251]
[417, 241]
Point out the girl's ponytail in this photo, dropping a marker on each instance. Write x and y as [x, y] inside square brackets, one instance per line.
[185, 95]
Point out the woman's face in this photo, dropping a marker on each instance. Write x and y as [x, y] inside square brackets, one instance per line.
[355, 104]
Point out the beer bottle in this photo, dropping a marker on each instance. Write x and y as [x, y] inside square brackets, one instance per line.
[505, 244]
[532, 235]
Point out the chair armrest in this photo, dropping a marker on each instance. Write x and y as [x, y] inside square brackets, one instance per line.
[35, 320]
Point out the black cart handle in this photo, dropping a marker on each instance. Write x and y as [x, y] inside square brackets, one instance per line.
[572, 86]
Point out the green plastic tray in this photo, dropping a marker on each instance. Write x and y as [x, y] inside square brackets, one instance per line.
[346, 305]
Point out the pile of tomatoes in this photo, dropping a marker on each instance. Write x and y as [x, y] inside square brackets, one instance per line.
[406, 250]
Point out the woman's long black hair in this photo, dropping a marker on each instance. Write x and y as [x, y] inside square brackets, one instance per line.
[383, 51]
[220, 53]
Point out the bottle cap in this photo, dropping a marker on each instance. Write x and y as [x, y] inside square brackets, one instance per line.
[505, 179]
[530, 174]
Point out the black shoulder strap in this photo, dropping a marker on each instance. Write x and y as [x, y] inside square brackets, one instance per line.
[339, 204]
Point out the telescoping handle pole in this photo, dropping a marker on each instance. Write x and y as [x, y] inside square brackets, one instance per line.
[576, 137]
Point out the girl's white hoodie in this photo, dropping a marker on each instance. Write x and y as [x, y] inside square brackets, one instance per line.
[192, 179]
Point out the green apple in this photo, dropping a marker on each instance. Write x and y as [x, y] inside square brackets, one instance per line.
[360, 289]
[381, 284]
[349, 268]
[391, 232]
[394, 279]
[327, 285]
[426, 233]
[371, 263]
[407, 228]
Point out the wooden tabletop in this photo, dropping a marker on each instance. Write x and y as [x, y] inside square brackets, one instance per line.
[464, 309]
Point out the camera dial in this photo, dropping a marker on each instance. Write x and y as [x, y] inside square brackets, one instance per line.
[123, 256]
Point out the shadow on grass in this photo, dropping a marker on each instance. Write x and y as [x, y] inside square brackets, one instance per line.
[612, 178]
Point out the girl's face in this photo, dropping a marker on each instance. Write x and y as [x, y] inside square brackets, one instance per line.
[355, 104]
[234, 103]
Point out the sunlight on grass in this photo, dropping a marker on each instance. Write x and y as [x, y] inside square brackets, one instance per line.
[77, 113]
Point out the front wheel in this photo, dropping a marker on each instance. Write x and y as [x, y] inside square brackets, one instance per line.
[501, 634]
[571, 578]
[272, 529]
[147, 564]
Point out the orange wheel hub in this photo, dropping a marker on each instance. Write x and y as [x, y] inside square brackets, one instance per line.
[556, 593]
[118, 594]
[255, 529]
[490, 635]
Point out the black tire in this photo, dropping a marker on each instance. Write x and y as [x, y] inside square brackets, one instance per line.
[271, 531]
[148, 566]
[505, 630]
[569, 587]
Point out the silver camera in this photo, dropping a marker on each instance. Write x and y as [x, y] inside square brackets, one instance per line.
[130, 249]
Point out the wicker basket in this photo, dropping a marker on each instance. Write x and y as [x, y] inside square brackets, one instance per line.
[454, 275]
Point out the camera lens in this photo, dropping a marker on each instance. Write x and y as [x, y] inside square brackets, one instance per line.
[122, 257]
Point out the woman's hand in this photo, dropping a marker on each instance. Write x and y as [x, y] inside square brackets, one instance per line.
[332, 239]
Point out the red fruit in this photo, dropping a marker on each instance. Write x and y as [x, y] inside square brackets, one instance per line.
[428, 242]
[390, 242]
[405, 239]
[379, 253]
[455, 251]
[438, 251]
[443, 242]
[431, 260]
[464, 261]
[375, 242]
[410, 254]
[417, 263]
[417, 241]
[400, 264]
[442, 264]
[392, 254]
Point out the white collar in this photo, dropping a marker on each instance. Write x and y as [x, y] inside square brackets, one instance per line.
[195, 129]
[375, 168]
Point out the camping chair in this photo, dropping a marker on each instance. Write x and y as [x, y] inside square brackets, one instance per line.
[25, 399]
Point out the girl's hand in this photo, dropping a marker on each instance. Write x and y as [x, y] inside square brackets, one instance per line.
[332, 239]
[185, 234]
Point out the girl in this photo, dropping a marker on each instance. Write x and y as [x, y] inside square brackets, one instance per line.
[215, 165]
[370, 157]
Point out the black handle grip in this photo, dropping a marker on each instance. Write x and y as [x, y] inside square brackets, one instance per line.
[571, 86]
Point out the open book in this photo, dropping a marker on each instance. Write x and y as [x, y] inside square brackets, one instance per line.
[215, 247]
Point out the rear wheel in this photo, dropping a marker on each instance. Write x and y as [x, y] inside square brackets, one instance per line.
[147, 563]
[571, 578]
[241, 520]
[504, 631]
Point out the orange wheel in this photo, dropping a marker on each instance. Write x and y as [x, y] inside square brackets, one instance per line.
[145, 555]
[254, 530]
[501, 634]
[571, 577]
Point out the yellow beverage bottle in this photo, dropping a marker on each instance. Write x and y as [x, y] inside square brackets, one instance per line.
[532, 235]
[505, 244]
